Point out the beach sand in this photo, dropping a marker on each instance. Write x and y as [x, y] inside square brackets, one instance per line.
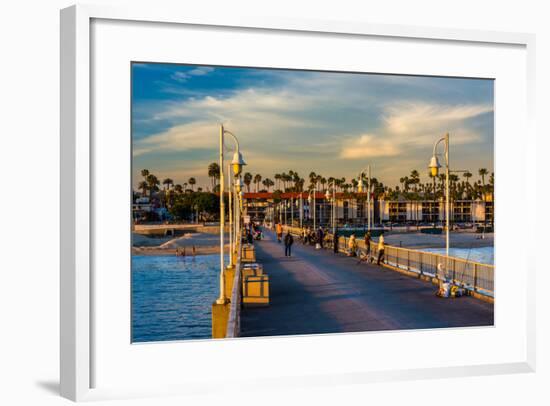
[421, 240]
[205, 244]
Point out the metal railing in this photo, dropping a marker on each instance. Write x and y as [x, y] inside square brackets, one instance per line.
[472, 275]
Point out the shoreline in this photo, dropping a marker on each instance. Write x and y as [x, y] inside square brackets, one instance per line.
[199, 250]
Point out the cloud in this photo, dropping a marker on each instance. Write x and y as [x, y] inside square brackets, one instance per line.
[416, 118]
[368, 146]
[185, 137]
[412, 125]
[182, 77]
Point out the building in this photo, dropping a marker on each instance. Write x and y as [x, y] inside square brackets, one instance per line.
[351, 208]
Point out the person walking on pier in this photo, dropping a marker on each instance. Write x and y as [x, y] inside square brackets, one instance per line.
[335, 242]
[279, 232]
[320, 237]
[381, 249]
[289, 240]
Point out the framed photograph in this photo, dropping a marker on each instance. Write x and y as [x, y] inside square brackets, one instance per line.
[285, 202]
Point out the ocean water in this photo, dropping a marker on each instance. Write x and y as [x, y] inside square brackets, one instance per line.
[483, 255]
[172, 297]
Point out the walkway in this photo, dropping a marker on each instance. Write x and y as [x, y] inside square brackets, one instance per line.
[316, 291]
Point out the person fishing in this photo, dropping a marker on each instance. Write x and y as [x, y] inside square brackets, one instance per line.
[366, 256]
[352, 246]
[289, 240]
[381, 249]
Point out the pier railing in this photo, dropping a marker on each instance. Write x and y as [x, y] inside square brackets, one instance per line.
[474, 276]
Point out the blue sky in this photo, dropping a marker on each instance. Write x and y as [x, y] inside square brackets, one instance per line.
[331, 123]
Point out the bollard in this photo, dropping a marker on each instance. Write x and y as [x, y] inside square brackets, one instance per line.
[220, 315]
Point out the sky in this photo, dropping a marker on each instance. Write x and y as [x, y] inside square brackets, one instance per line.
[331, 123]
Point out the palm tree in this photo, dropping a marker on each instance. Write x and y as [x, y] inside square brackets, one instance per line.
[144, 173]
[192, 182]
[323, 182]
[178, 188]
[143, 186]
[312, 178]
[483, 172]
[278, 179]
[257, 180]
[295, 180]
[269, 183]
[168, 182]
[467, 175]
[415, 179]
[213, 173]
[152, 182]
[402, 181]
[288, 179]
[247, 179]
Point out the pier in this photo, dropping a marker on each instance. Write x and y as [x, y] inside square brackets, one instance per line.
[316, 291]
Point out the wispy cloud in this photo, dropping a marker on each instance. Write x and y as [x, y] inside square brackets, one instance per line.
[184, 76]
[368, 146]
[406, 125]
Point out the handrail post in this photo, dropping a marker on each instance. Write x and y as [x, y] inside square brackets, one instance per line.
[475, 277]
[454, 270]
[396, 257]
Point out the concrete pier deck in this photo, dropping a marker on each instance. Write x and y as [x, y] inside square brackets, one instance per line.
[316, 291]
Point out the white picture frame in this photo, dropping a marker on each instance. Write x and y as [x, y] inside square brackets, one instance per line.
[76, 278]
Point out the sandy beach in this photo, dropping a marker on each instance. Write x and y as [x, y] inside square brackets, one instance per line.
[204, 243]
[421, 240]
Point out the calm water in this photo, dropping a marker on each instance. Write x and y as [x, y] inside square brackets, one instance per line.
[483, 255]
[172, 297]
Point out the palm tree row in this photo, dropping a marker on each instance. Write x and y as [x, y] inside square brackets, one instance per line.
[150, 185]
[410, 187]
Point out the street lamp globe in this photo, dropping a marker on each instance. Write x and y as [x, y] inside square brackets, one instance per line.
[434, 166]
[237, 163]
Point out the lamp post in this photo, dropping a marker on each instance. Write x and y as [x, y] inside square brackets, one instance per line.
[231, 213]
[301, 210]
[237, 164]
[360, 189]
[311, 202]
[292, 211]
[333, 208]
[314, 208]
[434, 168]
[239, 193]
